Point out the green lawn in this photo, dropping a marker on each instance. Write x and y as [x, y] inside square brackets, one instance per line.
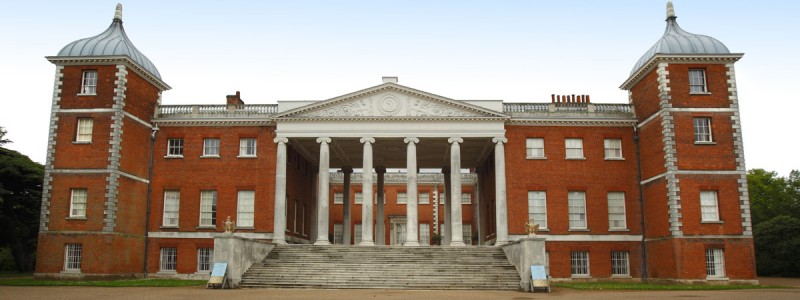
[106, 283]
[598, 286]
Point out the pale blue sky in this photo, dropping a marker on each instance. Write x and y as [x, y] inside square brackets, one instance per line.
[517, 51]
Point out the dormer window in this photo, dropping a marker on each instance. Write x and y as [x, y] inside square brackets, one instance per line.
[697, 81]
[89, 82]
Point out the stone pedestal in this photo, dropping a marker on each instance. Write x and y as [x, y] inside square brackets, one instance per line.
[523, 254]
[240, 253]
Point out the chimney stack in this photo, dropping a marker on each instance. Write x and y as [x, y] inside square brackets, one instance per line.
[234, 100]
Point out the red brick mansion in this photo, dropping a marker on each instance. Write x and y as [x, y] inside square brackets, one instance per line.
[656, 187]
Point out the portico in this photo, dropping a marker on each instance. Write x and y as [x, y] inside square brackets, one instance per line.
[371, 130]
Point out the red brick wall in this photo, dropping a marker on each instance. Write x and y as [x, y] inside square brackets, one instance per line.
[656, 208]
[651, 147]
[227, 175]
[716, 83]
[135, 154]
[94, 155]
[661, 260]
[71, 86]
[101, 254]
[141, 97]
[61, 196]
[718, 156]
[186, 250]
[645, 96]
[727, 188]
[599, 257]
[557, 176]
[131, 206]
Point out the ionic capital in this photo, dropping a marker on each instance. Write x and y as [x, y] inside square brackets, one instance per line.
[325, 140]
[499, 140]
[455, 139]
[347, 170]
[368, 140]
[280, 140]
[411, 140]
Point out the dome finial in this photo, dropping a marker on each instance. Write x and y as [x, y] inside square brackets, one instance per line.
[118, 13]
[670, 10]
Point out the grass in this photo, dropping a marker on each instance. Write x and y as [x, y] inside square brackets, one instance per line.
[599, 286]
[104, 283]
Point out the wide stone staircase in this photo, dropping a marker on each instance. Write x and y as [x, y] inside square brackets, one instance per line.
[390, 267]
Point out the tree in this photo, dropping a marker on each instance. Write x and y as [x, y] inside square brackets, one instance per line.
[772, 196]
[3, 133]
[775, 209]
[777, 241]
[20, 203]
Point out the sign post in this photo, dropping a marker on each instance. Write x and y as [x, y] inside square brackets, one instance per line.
[219, 276]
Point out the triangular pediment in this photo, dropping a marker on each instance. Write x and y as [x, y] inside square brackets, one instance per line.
[389, 100]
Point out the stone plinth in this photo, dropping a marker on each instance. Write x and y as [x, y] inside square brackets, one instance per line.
[524, 253]
[240, 253]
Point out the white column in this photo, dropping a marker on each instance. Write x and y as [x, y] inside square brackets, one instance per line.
[279, 227]
[500, 190]
[347, 218]
[457, 238]
[380, 218]
[412, 225]
[313, 208]
[447, 229]
[366, 194]
[323, 207]
[478, 220]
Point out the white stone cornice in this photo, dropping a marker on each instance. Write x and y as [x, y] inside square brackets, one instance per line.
[367, 140]
[325, 140]
[213, 122]
[455, 139]
[499, 140]
[411, 140]
[279, 140]
[109, 60]
[573, 122]
[677, 59]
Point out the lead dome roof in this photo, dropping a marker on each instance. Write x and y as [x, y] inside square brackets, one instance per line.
[678, 41]
[111, 42]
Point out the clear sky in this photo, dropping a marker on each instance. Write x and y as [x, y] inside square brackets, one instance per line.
[516, 51]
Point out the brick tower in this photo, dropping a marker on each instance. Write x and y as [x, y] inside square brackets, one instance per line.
[96, 175]
[692, 162]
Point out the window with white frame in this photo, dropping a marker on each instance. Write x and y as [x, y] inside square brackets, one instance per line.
[359, 198]
[204, 258]
[245, 208]
[402, 198]
[84, 131]
[702, 130]
[424, 234]
[169, 259]
[619, 263]
[466, 198]
[534, 148]
[89, 82]
[294, 221]
[709, 207]
[616, 210]
[613, 148]
[466, 233]
[303, 225]
[537, 208]
[208, 208]
[175, 147]
[172, 203]
[574, 148]
[247, 147]
[577, 210]
[579, 262]
[338, 198]
[715, 263]
[338, 234]
[211, 147]
[424, 198]
[77, 204]
[697, 81]
[357, 233]
[72, 257]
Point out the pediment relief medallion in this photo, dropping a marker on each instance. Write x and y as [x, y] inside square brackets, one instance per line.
[391, 104]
